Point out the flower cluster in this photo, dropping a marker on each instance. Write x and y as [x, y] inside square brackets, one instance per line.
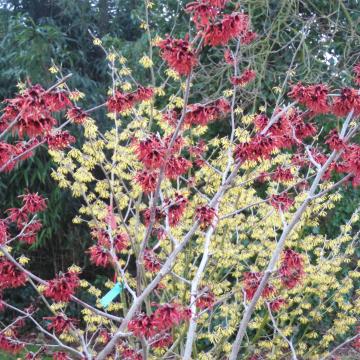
[100, 252]
[151, 261]
[277, 304]
[205, 215]
[203, 114]
[206, 300]
[63, 287]
[292, 269]
[128, 353]
[247, 76]
[289, 129]
[10, 345]
[156, 327]
[60, 140]
[348, 100]
[10, 275]
[59, 323]
[351, 163]
[282, 174]
[11, 153]
[281, 202]
[204, 11]
[76, 115]
[153, 152]
[178, 54]
[175, 208]
[60, 355]
[33, 110]
[314, 97]
[226, 29]
[147, 180]
[251, 283]
[32, 204]
[121, 102]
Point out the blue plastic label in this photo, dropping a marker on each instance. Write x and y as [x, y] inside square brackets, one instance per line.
[111, 295]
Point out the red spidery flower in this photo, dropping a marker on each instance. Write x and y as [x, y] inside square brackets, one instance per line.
[30, 233]
[348, 100]
[206, 300]
[334, 141]
[178, 54]
[198, 149]
[59, 323]
[3, 232]
[159, 215]
[147, 180]
[205, 215]
[142, 325]
[281, 202]
[204, 11]
[251, 283]
[120, 102]
[99, 255]
[175, 208]
[158, 233]
[76, 115]
[277, 304]
[247, 76]
[314, 97]
[228, 56]
[60, 140]
[288, 130]
[281, 174]
[171, 117]
[10, 275]
[10, 345]
[357, 73]
[129, 354]
[177, 145]
[262, 177]
[248, 37]
[33, 109]
[110, 218]
[151, 152]
[62, 287]
[151, 261]
[32, 356]
[176, 166]
[60, 355]
[167, 316]
[351, 162]
[230, 27]
[143, 94]
[121, 242]
[19, 216]
[300, 129]
[259, 146]
[24, 149]
[199, 114]
[7, 153]
[56, 100]
[33, 203]
[292, 269]
[164, 341]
